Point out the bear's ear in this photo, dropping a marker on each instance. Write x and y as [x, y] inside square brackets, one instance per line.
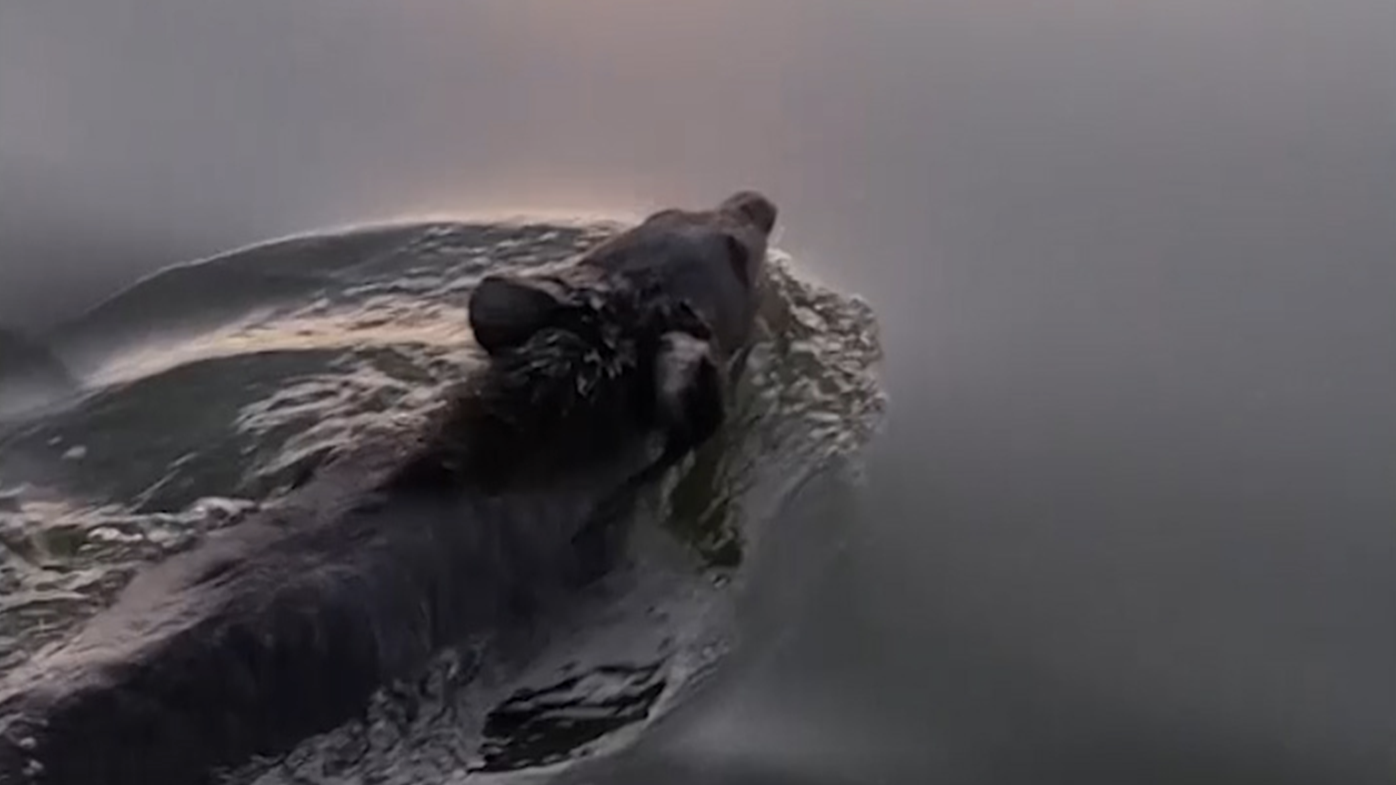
[507, 310]
[753, 209]
[689, 387]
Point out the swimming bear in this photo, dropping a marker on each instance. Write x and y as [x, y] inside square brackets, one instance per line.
[597, 380]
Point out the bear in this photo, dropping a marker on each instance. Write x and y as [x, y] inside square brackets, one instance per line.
[596, 381]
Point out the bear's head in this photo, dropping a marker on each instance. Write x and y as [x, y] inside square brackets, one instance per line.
[672, 301]
[711, 260]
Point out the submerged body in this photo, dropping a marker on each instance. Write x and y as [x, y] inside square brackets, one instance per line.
[284, 626]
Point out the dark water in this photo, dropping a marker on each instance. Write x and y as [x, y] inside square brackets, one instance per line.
[1134, 515]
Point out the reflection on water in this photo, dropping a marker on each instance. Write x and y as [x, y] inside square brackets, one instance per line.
[1131, 521]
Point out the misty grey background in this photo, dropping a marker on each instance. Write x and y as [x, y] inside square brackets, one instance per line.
[1134, 517]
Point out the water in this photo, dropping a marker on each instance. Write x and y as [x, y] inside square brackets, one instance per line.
[1131, 516]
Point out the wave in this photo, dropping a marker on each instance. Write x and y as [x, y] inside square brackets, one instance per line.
[209, 388]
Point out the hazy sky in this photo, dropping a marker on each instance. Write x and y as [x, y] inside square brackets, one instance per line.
[134, 132]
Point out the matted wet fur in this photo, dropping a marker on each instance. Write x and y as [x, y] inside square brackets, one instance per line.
[284, 626]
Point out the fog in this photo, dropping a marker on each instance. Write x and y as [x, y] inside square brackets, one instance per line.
[1134, 518]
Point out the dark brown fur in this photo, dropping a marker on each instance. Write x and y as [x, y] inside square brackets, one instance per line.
[710, 259]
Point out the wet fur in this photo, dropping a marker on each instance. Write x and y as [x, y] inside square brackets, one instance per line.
[284, 626]
[711, 260]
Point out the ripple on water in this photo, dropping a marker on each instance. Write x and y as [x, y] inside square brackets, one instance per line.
[185, 431]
